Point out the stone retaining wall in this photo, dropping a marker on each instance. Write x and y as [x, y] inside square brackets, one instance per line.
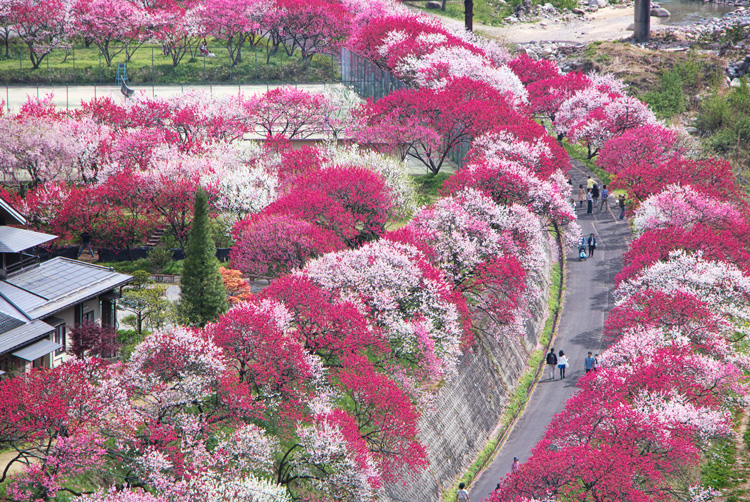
[470, 405]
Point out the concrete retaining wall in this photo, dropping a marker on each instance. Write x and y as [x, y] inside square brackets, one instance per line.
[470, 405]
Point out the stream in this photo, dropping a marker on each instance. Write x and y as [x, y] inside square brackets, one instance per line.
[686, 12]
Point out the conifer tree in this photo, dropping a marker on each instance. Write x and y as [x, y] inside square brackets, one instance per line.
[204, 296]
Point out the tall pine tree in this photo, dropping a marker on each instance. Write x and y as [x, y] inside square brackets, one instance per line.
[204, 297]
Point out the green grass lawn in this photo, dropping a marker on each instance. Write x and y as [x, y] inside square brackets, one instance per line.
[489, 12]
[82, 65]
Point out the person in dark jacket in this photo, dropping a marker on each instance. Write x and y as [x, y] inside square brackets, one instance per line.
[592, 244]
[551, 363]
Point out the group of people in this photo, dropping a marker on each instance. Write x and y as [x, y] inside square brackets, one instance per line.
[560, 361]
[591, 195]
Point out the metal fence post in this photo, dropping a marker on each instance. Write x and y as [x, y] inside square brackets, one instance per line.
[100, 67]
[74, 65]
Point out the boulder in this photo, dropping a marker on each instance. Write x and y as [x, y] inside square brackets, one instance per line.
[660, 12]
[578, 12]
[631, 27]
[433, 5]
[602, 3]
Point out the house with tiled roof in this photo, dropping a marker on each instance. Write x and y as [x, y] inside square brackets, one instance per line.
[40, 301]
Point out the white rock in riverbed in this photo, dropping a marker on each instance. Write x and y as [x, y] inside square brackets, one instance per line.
[660, 12]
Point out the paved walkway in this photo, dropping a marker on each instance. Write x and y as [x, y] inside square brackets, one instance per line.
[588, 298]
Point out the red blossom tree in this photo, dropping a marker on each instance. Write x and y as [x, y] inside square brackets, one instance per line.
[352, 202]
[531, 70]
[728, 244]
[546, 96]
[712, 176]
[646, 145]
[432, 122]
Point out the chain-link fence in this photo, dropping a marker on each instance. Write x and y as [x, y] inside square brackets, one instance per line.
[366, 78]
[370, 81]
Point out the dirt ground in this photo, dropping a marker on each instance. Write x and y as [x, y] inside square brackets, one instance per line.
[609, 23]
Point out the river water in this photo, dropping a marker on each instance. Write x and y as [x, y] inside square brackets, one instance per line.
[689, 11]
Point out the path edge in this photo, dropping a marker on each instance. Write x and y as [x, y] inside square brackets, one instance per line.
[500, 435]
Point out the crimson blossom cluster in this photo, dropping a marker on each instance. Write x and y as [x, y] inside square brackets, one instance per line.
[670, 382]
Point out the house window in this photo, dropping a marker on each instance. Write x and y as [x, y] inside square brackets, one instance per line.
[87, 317]
[60, 337]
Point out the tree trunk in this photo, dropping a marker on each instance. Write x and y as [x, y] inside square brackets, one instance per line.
[442, 7]
[469, 15]
[642, 19]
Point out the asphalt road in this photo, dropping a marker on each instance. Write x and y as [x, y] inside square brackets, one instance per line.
[587, 299]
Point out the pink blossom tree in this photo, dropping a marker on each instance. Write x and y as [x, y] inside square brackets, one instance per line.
[41, 25]
[402, 294]
[289, 112]
[721, 286]
[271, 245]
[313, 26]
[613, 117]
[232, 24]
[111, 27]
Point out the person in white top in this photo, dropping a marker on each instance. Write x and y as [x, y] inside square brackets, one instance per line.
[462, 495]
[562, 363]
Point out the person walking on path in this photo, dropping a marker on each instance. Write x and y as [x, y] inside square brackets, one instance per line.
[605, 196]
[562, 363]
[596, 362]
[592, 244]
[595, 194]
[588, 363]
[590, 183]
[462, 495]
[589, 202]
[514, 466]
[581, 194]
[551, 363]
[621, 203]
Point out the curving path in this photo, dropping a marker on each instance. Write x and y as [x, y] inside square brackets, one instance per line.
[587, 299]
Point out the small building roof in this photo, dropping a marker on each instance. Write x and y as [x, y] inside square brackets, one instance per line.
[9, 215]
[8, 322]
[23, 334]
[58, 284]
[37, 350]
[15, 240]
